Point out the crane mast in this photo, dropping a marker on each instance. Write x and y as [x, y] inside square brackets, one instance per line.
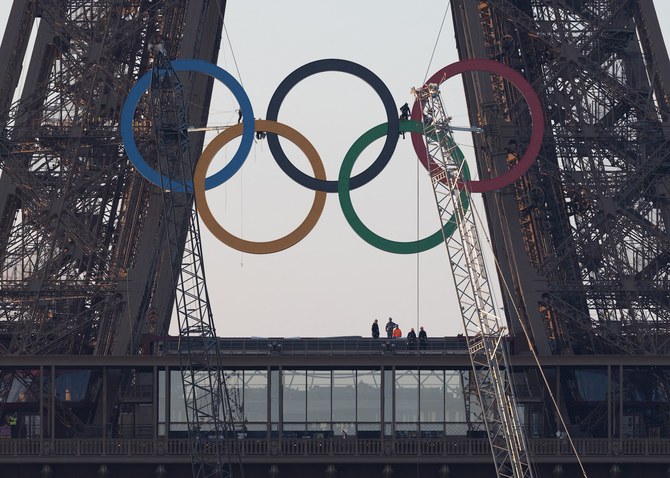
[483, 331]
[208, 405]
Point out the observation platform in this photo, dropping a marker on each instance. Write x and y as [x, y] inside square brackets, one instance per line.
[359, 406]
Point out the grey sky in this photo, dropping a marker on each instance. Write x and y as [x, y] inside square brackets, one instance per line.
[332, 283]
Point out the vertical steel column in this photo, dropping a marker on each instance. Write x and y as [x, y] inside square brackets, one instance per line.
[80, 249]
[584, 237]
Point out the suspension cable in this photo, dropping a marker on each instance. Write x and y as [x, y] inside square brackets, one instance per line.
[232, 50]
[439, 33]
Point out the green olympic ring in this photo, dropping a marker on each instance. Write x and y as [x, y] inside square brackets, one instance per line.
[354, 221]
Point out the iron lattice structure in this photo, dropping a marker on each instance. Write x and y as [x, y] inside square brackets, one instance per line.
[84, 267]
[208, 406]
[484, 332]
[582, 238]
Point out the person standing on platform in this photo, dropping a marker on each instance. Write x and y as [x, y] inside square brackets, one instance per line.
[411, 339]
[397, 333]
[390, 326]
[375, 329]
[423, 338]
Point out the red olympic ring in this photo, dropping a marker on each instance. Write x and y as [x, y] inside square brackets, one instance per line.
[533, 101]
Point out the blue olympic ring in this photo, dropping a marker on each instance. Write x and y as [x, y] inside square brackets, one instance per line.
[200, 66]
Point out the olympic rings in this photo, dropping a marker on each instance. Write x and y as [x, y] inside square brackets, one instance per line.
[537, 133]
[346, 67]
[319, 183]
[248, 246]
[354, 221]
[128, 112]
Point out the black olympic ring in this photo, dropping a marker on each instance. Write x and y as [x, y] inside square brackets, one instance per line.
[364, 74]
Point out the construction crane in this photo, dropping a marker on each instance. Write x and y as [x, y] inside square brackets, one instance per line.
[209, 412]
[485, 335]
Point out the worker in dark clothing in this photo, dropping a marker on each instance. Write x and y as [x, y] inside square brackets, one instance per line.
[411, 339]
[404, 112]
[260, 135]
[390, 327]
[375, 329]
[423, 338]
[404, 115]
[508, 45]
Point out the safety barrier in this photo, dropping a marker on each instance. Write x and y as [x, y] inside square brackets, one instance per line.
[333, 446]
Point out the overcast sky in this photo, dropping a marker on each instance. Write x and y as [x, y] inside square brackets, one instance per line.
[332, 283]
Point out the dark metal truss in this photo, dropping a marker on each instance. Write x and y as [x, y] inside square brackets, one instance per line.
[83, 269]
[583, 237]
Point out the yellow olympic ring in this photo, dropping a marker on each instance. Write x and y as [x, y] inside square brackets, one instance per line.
[212, 224]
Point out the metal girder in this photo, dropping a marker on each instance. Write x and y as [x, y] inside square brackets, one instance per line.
[83, 269]
[582, 238]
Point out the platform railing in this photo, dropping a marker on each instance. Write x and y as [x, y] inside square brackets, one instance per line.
[320, 346]
[478, 449]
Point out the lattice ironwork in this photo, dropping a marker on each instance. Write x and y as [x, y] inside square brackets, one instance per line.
[484, 332]
[208, 406]
[83, 269]
[583, 236]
